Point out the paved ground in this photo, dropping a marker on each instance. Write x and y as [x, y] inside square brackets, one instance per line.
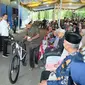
[26, 77]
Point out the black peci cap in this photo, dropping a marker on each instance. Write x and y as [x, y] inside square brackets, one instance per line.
[72, 37]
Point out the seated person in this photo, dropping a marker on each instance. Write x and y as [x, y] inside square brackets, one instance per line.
[56, 48]
[49, 30]
[58, 43]
[49, 38]
[53, 62]
[53, 58]
[49, 33]
[82, 44]
[72, 69]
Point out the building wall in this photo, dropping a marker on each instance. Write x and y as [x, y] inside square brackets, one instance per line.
[7, 9]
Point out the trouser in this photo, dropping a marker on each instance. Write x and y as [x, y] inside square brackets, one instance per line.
[45, 75]
[0, 43]
[33, 59]
[14, 29]
[4, 43]
[33, 49]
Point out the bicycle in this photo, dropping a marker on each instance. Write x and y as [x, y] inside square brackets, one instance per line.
[19, 54]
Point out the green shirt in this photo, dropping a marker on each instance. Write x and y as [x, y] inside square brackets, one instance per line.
[34, 30]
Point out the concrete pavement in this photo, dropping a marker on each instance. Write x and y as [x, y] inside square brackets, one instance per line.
[26, 76]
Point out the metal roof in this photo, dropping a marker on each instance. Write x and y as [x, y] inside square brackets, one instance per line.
[37, 5]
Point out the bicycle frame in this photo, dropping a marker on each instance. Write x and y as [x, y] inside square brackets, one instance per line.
[18, 50]
[19, 54]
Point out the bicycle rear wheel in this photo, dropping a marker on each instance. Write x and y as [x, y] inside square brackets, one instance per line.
[14, 69]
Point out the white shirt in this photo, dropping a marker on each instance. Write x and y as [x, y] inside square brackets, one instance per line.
[0, 28]
[4, 28]
[56, 42]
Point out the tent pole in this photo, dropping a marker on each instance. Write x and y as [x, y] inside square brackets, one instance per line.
[59, 13]
[0, 7]
[18, 15]
[54, 12]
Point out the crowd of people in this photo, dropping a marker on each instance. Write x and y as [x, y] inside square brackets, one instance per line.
[67, 66]
[60, 50]
[71, 70]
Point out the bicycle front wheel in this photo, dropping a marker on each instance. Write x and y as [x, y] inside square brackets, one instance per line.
[14, 69]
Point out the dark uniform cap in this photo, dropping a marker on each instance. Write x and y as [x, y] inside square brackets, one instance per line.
[73, 37]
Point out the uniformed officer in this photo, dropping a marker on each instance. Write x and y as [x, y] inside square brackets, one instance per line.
[33, 38]
[72, 69]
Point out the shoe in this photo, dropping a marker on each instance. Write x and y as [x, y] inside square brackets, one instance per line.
[5, 56]
[30, 69]
[1, 50]
[8, 53]
[41, 67]
[36, 65]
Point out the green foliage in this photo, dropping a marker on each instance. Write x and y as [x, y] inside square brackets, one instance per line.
[80, 13]
[67, 13]
[48, 14]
